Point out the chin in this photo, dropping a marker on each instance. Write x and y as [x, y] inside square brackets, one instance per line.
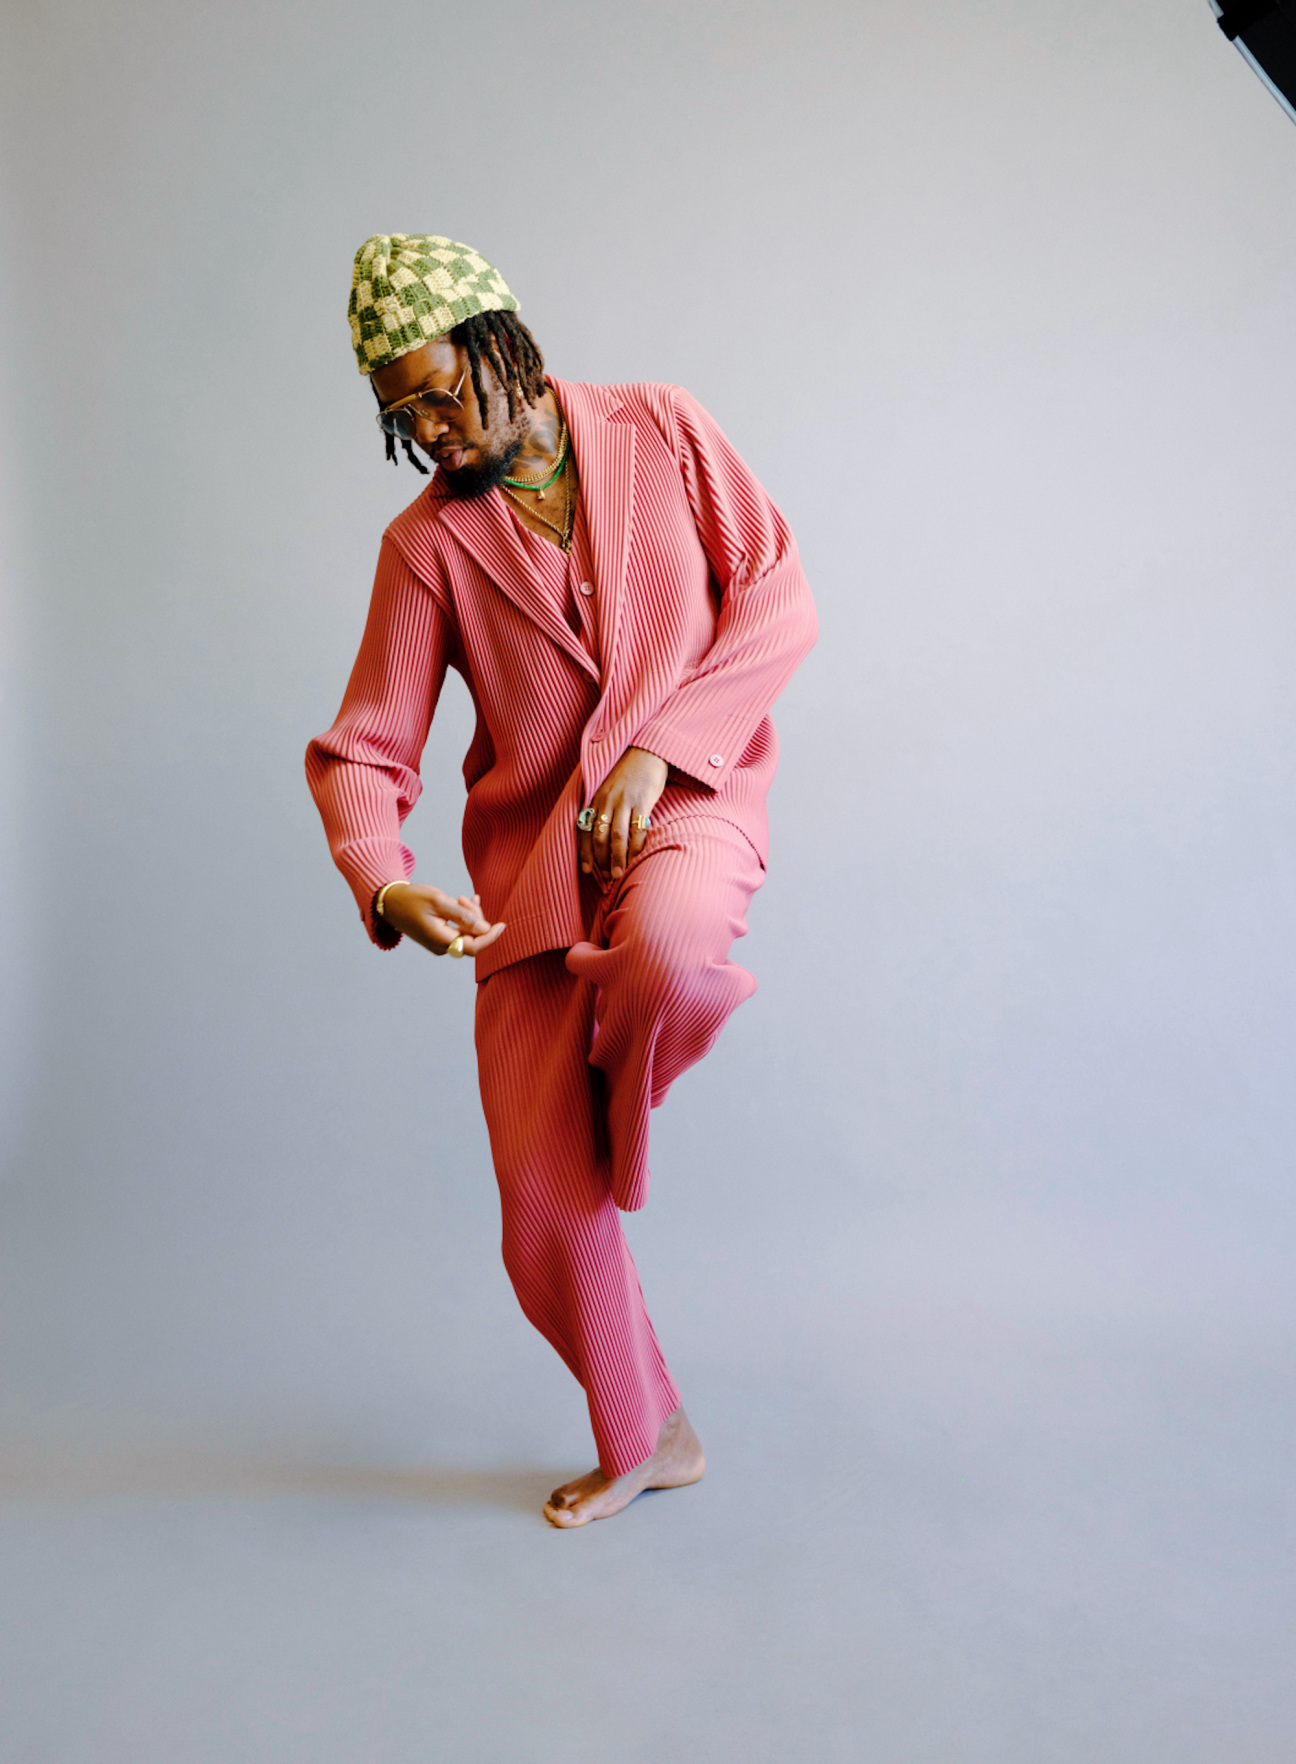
[471, 480]
[476, 480]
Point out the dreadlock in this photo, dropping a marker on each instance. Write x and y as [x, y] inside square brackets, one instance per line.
[512, 352]
[503, 340]
[410, 454]
[389, 447]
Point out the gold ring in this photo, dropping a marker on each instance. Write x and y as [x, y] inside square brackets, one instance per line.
[643, 823]
[605, 820]
[455, 948]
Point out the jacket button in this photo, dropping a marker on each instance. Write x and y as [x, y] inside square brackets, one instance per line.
[716, 759]
[587, 587]
[596, 734]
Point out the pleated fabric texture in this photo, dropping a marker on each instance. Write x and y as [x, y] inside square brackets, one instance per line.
[658, 960]
[571, 1056]
[703, 614]
[593, 1000]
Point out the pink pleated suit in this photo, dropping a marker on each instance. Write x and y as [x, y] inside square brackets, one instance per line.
[679, 618]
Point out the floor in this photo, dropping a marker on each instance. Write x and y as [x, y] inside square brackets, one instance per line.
[962, 1538]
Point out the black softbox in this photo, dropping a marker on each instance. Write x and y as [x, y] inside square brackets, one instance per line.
[1265, 32]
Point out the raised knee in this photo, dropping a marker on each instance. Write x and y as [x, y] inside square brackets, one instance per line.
[664, 968]
[664, 974]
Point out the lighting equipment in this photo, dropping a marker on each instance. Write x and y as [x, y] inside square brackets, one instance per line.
[1265, 32]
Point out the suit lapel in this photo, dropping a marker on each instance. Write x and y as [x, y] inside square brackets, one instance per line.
[487, 531]
[605, 461]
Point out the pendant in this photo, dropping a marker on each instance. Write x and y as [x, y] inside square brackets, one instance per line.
[539, 495]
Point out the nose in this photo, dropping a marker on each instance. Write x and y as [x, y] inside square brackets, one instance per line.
[428, 428]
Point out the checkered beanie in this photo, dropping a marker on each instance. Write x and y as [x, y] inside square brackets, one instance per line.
[407, 288]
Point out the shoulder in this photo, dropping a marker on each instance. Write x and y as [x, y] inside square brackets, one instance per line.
[652, 406]
[628, 398]
[416, 535]
[417, 519]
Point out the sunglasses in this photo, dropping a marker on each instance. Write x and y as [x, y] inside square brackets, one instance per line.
[401, 418]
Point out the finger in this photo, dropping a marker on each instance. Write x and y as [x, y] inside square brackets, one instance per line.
[445, 906]
[618, 841]
[468, 914]
[428, 940]
[638, 834]
[429, 917]
[602, 829]
[483, 923]
[474, 945]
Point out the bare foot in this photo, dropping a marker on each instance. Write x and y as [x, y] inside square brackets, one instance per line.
[677, 1461]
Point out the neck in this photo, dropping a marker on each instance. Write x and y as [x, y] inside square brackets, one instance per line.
[540, 447]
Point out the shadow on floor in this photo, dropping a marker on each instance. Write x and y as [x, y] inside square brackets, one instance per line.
[82, 1472]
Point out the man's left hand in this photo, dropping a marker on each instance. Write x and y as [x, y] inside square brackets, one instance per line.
[630, 789]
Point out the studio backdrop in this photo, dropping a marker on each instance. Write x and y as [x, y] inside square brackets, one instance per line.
[993, 298]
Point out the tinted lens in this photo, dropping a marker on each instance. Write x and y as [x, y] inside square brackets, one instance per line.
[433, 402]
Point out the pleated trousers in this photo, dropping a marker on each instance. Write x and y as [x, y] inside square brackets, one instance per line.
[574, 1048]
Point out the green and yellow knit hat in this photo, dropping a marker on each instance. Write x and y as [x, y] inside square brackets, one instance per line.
[407, 288]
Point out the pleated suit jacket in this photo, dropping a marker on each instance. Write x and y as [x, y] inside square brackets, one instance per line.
[703, 614]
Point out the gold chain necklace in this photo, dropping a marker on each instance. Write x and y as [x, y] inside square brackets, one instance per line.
[541, 482]
[565, 531]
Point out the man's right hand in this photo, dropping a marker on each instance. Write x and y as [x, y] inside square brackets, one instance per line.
[434, 919]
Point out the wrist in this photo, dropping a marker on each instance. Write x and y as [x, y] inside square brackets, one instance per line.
[380, 899]
[656, 758]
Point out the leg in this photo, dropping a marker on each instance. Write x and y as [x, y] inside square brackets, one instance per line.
[665, 987]
[563, 1246]
[665, 983]
[677, 1461]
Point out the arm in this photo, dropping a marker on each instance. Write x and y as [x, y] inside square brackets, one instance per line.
[766, 625]
[364, 773]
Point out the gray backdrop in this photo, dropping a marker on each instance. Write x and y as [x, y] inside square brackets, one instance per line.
[970, 1243]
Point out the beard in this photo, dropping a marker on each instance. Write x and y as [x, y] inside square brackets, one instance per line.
[476, 480]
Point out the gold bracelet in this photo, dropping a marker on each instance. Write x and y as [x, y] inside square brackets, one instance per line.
[400, 882]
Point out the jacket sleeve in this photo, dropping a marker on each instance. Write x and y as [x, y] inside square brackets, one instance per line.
[364, 773]
[766, 624]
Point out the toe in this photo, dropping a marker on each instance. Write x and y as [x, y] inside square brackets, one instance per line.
[564, 1518]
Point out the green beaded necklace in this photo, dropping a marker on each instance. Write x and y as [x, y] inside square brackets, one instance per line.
[541, 486]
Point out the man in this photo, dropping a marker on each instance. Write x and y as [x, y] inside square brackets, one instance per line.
[624, 604]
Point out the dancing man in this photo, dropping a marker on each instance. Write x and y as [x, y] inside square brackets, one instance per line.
[624, 603]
